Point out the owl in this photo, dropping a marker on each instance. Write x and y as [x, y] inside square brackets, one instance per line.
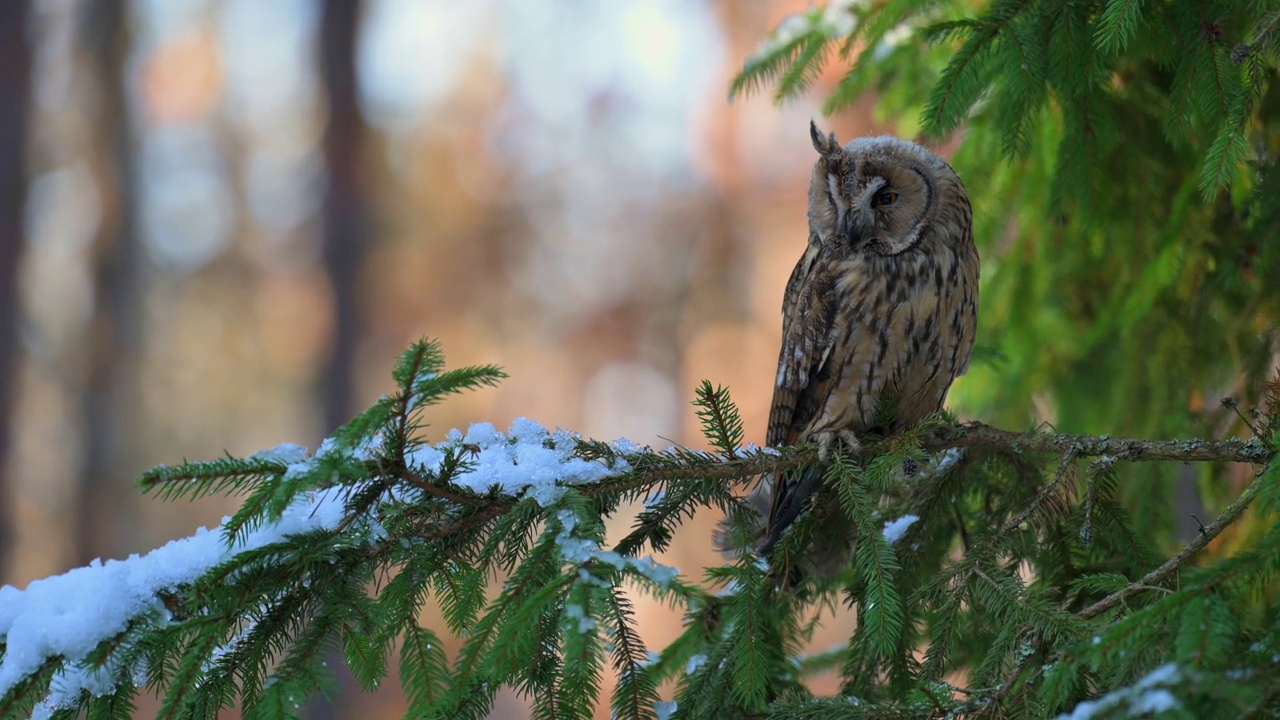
[879, 316]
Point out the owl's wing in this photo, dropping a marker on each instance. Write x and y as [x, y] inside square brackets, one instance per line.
[808, 335]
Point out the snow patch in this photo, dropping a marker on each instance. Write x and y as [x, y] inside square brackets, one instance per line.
[579, 551]
[1147, 696]
[586, 623]
[895, 529]
[69, 615]
[287, 453]
[695, 663]
[949, 458]
[528, 459]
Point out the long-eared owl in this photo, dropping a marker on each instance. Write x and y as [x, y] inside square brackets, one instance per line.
[879, 315]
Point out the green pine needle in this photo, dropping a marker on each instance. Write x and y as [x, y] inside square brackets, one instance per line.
[721, 423]
[1117, 25]
[424, 670]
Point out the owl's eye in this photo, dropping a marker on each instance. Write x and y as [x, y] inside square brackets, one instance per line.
[888, 197]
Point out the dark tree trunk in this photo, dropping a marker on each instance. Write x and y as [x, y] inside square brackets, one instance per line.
[346, 215]
[15, 93]
[113, 339]
[345, 227]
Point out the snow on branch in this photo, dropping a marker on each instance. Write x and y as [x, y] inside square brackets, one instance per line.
[348, 544]
[68, 617]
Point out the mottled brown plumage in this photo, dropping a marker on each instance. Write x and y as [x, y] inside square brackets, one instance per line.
[879, 315]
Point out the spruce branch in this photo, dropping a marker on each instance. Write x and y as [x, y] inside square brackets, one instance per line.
[442, 490]
[198, 479]
[979, 436]
[343, 548]
[1156, 577]
[652, 468]
[1118, 22]
[721, 423]
[992, 705]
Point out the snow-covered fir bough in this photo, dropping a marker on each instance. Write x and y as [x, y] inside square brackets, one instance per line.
[991, 582]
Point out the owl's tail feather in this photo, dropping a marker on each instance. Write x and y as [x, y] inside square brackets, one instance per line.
[769, 517]
[794, 493]
[757, 508]
[824, 556]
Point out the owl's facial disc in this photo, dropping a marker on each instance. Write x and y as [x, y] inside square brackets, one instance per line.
[858, 216]
[890, 209]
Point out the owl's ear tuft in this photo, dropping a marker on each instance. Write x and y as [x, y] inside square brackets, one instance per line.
[824, 144]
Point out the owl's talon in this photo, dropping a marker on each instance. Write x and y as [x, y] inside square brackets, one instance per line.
[851, 441]
[827, 439]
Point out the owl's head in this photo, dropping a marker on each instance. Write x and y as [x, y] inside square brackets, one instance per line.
[884, 195]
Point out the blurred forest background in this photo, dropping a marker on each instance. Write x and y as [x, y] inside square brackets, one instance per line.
[222, 220]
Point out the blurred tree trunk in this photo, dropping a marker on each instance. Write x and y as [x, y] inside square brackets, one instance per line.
[345, 228]
[15, 86]
[346, 214]
[113, 339]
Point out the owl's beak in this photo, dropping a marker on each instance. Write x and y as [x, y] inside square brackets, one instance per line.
[849, 230]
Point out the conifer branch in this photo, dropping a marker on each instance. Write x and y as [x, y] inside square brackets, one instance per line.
[650, 469]
[992, 705]
[721, 422]
[1206, 535]
[978, 435]
[345, 546]
[441, 490]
